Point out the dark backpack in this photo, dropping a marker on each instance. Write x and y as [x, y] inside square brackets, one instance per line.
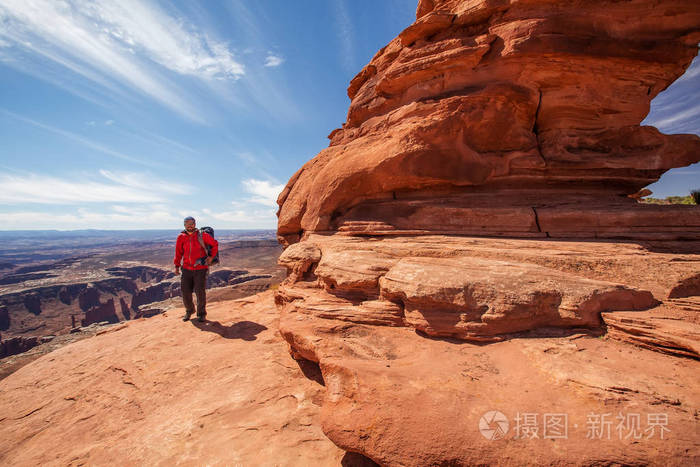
[206, 247]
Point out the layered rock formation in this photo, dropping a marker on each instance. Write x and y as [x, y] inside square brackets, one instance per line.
[17, 344]
[99, 313]
[455, 251]
[481, 289]
[506, 117]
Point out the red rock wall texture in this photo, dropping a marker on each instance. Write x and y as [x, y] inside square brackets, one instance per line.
[483, 110]
[497, 118]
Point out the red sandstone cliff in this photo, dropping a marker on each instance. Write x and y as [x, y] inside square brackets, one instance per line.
[498, 118]
[484, 110]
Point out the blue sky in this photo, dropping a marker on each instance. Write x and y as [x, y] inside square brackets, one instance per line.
[133, 114]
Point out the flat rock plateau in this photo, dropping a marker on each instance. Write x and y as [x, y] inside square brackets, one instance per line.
[158, 391]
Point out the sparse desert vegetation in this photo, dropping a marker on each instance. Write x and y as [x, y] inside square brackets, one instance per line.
[695, 194]
[690, 199]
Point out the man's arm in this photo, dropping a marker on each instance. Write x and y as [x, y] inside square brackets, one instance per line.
[178, 254]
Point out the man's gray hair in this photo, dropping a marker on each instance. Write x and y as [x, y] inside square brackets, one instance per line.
[189, 218]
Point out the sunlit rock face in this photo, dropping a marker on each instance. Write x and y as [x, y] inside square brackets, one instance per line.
[483, 110]
[468, 243]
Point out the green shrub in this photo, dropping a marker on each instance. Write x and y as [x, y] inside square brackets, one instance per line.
[695, 194]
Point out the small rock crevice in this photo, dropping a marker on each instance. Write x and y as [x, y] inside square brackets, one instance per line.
[537, 222]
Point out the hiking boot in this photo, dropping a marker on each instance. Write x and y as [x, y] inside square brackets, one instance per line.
[187, 316]
[202, 318]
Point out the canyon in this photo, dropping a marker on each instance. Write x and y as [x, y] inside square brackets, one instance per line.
[106, 284]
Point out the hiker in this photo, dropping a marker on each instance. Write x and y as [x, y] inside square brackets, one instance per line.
[190, 250]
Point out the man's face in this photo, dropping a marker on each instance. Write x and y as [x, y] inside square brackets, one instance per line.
[189, 226]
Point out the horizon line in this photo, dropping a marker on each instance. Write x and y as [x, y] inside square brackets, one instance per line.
[124, 230]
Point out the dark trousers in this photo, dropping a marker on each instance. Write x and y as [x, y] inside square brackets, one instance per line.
[194, 281]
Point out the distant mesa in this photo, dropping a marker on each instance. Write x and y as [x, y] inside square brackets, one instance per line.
[89, 297]
[142, 273]
[18, 278]
[16, 345]
[99, 313]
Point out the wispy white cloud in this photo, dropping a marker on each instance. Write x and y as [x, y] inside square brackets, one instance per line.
[683, 115]
[152, 138]
[145, 182]
[192, 212]
[106, 123]
[80, 139]
[247, 157]
[255, 211]
[676, 109]
[273, 60]
[111, 187]
[169, 41]
[263, 191]
[238, 218]
[267, 92]
[100, 92]
[346, 35]
[119, 44]
[257, 164]
[137, 217]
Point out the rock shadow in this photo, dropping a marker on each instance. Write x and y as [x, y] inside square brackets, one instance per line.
[246, 330]
[311, 370]
[355, 459]
[690, 246]
[537, 333]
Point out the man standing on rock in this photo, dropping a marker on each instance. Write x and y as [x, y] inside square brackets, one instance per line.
[189, 249]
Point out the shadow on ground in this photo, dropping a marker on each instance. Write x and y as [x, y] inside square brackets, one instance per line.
[245, 330]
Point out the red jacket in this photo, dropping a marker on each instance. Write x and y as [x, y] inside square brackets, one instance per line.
[188, 250]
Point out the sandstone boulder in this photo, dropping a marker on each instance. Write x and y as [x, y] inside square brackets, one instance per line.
[534, 99]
